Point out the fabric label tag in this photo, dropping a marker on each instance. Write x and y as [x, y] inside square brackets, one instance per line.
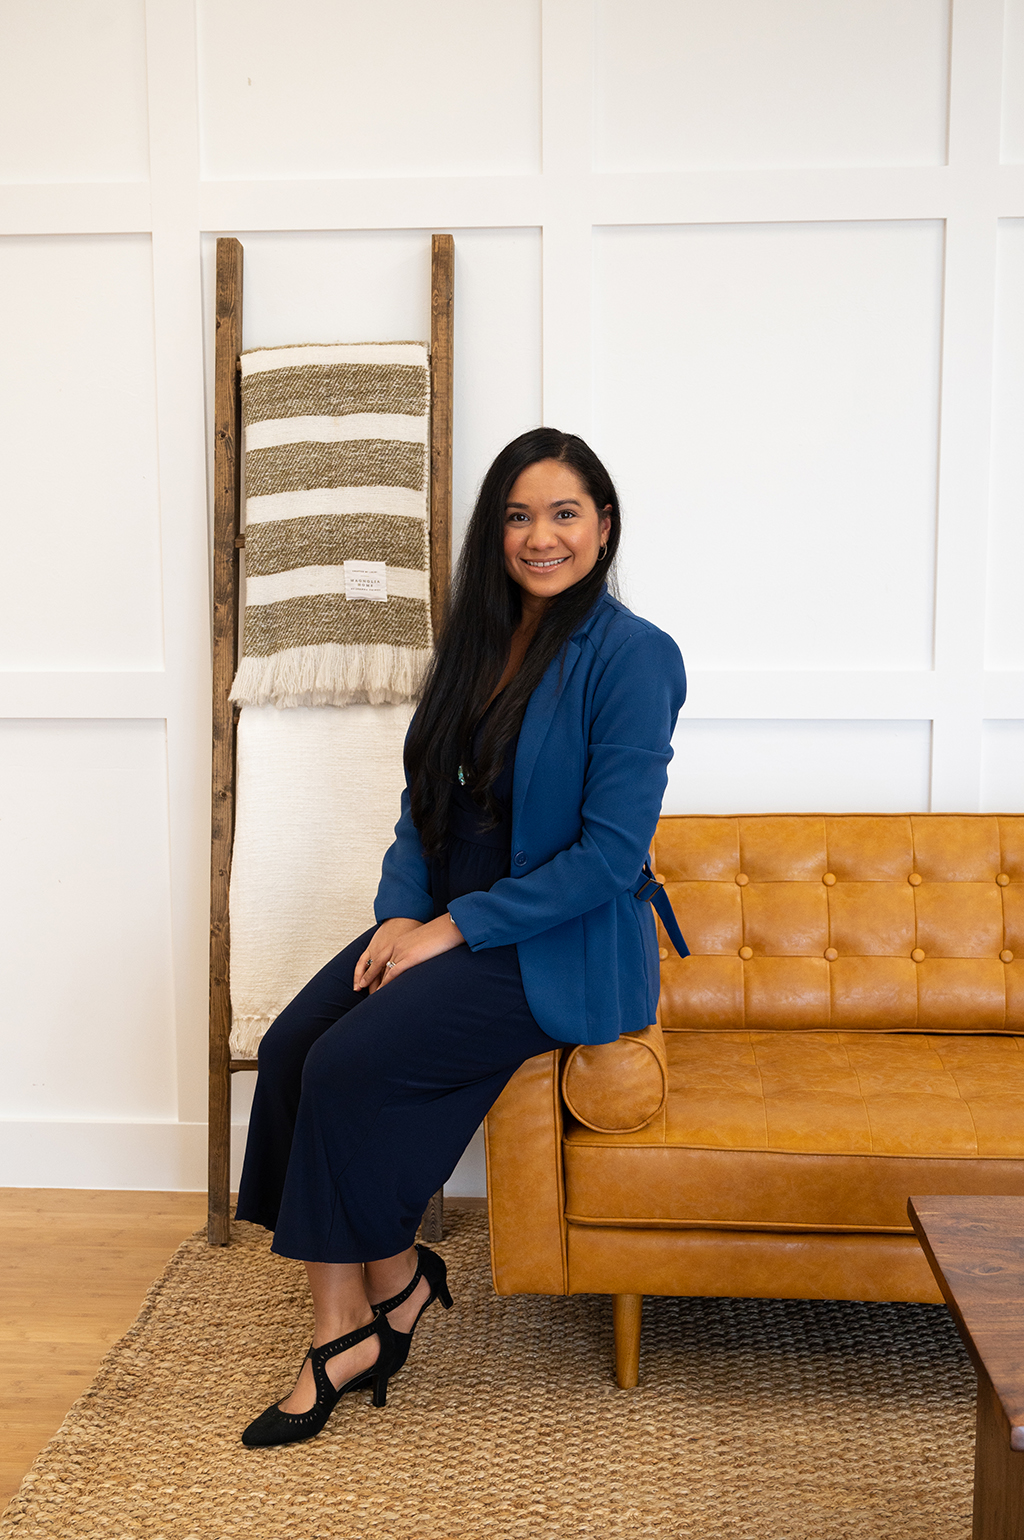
[366, 580]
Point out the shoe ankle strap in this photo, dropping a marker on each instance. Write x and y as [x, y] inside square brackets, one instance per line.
[329, 1349]
[318, 1356]
[399, 1299]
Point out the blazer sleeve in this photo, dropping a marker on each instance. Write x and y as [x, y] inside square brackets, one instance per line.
[635, 706]
[404, 888]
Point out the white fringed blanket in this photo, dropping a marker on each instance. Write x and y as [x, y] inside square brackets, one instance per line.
[318, 798]
[337, 591]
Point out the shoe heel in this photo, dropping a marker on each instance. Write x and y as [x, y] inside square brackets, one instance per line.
[444, 1294]
[380, 1389]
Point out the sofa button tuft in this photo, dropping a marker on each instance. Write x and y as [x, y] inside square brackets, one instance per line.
[915, 879]
[829, 879]
[917, 954]
[746, 952]
[742, 879]
[663, 952]
[520, 858]
[1003, 880]
[831, 954]
[1006, 956]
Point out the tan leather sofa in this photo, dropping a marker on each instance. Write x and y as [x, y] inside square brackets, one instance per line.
[849, 1030]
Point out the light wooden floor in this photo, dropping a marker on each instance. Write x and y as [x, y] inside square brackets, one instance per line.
[74, 1270]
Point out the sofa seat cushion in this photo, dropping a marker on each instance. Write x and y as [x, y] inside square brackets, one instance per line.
[808, 1131]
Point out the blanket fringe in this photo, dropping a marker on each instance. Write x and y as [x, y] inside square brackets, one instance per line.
[247, 1033]
[332, 674]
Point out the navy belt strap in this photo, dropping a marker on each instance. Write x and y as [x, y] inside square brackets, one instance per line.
[653, 892]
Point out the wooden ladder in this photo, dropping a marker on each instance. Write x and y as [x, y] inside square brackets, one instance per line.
[227, 542]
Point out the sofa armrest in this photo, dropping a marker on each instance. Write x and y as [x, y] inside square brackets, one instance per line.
[525, 1187]
[617, 1088]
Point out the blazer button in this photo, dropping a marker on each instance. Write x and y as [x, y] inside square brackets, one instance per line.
[520, 858]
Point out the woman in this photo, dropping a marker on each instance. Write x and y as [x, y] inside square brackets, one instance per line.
[507, 921]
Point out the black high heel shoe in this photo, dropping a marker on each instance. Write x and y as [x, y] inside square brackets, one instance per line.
[276, 1427]
[433, 1268]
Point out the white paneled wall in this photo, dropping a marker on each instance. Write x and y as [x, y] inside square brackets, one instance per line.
[770, 83]
[338, 90]
[1013, 84]
[73, 91]
[767, 254]
[87, 856]
[788, 452]
[830, 766]
[1005, 610]
[1002, 765]
[80, 582]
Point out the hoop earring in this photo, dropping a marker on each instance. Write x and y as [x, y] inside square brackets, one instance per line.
[602, 553]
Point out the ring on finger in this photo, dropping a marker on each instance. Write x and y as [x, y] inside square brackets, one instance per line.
[389, 965]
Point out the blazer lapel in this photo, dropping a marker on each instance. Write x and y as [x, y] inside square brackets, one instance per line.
[537, 721]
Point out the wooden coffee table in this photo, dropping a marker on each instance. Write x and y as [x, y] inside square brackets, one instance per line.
[976, 1250]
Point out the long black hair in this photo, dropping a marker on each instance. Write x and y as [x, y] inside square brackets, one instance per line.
[474, 642]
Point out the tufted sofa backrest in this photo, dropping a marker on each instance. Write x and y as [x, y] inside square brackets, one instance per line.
[896, 923]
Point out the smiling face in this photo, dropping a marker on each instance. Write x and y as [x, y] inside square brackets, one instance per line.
[553, 532]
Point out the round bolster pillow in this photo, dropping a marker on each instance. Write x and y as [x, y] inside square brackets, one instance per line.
[617, 1088]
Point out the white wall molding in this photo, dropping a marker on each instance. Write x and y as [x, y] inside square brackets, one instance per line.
[181, 435]
[606, 198]
[965, 441]
[87, 694]
[539, 317]
[143, 1156]
[871, 694]
[156, 1157]
[567, 115]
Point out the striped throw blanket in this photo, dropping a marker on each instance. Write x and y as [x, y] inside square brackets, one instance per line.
[337, 601]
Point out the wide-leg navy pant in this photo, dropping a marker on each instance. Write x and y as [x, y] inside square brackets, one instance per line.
[364, 1103]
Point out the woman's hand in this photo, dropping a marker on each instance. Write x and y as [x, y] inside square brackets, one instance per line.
[415, 946]
[382, 943]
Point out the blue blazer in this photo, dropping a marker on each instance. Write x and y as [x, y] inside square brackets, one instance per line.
[590, 773]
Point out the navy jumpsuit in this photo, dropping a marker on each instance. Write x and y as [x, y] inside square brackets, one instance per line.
[365, 1103]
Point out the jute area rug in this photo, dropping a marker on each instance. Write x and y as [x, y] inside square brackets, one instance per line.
[754, 1420]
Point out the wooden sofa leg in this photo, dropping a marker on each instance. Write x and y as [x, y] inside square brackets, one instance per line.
[626, 1312]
